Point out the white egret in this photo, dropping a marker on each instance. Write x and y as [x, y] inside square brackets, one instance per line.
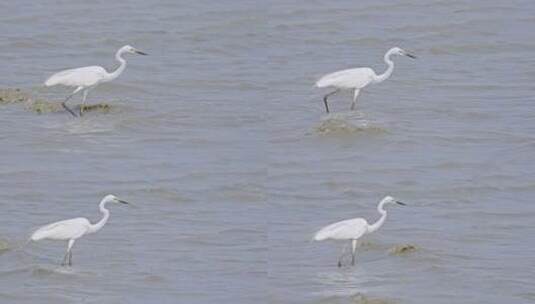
[86, 78]
[353, 229]
[357, 78]
[73, 229]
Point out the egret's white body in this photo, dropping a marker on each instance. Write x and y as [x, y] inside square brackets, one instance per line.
[86, 78]
[358, 78]
[353, 229]
[72, 229]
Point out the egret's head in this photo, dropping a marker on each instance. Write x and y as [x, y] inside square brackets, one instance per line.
[132, 50]
[400, 51]
[113, 199]
[390, 200]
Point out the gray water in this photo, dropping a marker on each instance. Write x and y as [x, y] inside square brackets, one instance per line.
[220, 141]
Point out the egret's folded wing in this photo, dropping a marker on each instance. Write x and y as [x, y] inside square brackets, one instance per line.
[350, 78]
[86, 76]
[62, 230]
[344, 230]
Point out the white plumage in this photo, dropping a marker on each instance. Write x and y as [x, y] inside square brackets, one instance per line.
[343, 230]
[86, 78]
[72, 229]
[63, 230]
[353, 229]
[347, 79]
[357, 78]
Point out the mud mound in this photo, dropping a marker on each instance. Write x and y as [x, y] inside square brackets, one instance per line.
[403, 249]
[43, 106]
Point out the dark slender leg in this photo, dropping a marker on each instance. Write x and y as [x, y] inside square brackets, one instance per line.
[65, 258]
[342, 256]
[64, 104]
[325, 100]
[68, 256]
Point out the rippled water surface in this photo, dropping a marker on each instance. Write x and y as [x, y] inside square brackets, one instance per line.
[220, 141]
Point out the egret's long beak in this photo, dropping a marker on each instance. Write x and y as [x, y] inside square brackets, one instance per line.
[401, 203]
[140, 52]
[410, 55]
[123, 202]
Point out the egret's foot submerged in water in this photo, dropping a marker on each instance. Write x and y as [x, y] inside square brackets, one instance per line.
[64, 105]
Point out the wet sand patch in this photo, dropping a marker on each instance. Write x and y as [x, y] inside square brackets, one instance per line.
[403, 249]
[43, 106]
[347, 123]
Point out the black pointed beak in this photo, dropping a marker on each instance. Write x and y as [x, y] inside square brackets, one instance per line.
[410, 55]
[123, 202]
[401, 203]
[140, 52]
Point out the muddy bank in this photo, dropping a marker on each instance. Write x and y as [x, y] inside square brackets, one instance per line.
[403, 249]
[42, 106]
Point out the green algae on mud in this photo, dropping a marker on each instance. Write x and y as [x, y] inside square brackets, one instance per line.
[357, 298]
[42, 106]
[347, 123]
[403, 249]
[363, 299]
[13, 95]
[4, 246]
[100, 107]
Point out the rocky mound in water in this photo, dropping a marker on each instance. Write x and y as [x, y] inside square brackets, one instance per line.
[4, 246]
[403, 249]
[42, 106]
[8, 96]
[358, 298]
[346, 123]
[362, 299]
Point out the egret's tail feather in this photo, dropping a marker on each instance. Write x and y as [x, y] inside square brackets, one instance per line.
[52, 81]
[321, 83]
[38, 234]
[320, 236]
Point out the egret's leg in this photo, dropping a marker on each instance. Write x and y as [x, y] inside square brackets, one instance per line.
[353, 251]
[65, 259]
[64, 103]
[342, 255]
[325, 100]
[355, 95]
[69, 252]
[84, 94]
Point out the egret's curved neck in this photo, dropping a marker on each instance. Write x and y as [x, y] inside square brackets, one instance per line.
[380, 221]
[389, 70]
[120, 69]
[105, 215]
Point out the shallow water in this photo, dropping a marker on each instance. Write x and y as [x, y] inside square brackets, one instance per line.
[219, 140]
